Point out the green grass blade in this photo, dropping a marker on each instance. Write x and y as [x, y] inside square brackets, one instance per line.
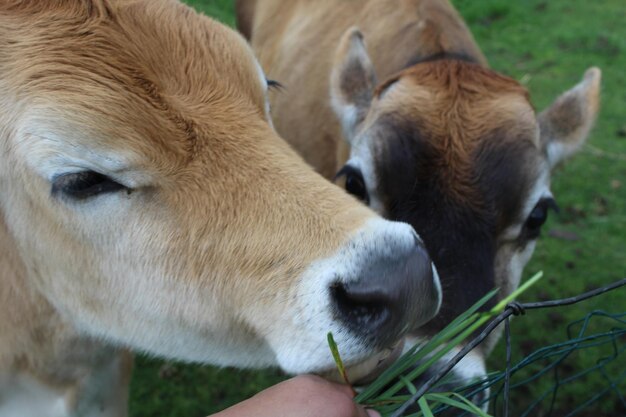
[409, 385]
[522, 288]
[465, 330]
[337, 357]
[470, 311]
[335, 352]
[424, 407]
[462, 405]
[419, 352]
[471, 405]
[394, 379]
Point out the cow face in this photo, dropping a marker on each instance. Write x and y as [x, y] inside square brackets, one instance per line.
[457, 151]
[152, 205]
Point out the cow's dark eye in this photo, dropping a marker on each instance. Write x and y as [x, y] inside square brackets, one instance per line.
[538, 217]
[82, 185]
[353, 182]
[274, 85]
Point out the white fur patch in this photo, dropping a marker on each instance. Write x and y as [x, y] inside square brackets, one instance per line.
[22, 396]
[96, 394]
[361, 157]
[263, 78]
[347, 114]
[540, 190]
[471, 367]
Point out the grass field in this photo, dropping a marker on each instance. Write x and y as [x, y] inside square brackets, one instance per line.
[547, 45]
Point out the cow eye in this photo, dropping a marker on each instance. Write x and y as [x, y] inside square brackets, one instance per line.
[353, 182]
[274, 85]
[83, 185]
[538, 216]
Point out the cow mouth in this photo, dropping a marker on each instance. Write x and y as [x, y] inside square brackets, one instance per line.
[368, 370]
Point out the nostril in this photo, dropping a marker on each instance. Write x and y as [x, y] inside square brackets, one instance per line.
[360, 308]
[387, 293]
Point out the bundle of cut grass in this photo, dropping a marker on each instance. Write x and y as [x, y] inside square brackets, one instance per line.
[388, 393]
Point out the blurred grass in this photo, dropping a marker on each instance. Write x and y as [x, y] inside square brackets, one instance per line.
[222, 10]
[548, 45]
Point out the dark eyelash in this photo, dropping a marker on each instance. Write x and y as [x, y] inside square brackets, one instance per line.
[274, 85]
[347, 169]
[83, 185]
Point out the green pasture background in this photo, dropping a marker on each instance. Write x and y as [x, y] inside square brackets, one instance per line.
[547, 45]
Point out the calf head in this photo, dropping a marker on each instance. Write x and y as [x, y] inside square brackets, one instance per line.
[457, 151]
[153, 206]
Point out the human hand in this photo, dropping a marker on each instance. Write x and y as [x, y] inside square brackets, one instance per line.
[302, 396]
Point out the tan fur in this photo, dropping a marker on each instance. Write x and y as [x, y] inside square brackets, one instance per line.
[221, 219]
[286, 39]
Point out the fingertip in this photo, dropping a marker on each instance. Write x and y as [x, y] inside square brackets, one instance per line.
[346, 389]
[372, 413]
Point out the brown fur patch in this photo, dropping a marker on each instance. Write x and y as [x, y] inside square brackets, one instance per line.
[456, 105]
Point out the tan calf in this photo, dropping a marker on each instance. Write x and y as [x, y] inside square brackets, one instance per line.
[146, 203]
[414, 124]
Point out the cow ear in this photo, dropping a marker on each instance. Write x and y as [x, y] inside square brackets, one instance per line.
[352, 81]
[565, 125]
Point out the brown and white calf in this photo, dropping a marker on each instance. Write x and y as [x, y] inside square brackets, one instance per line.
[147, 203]
[419, 128]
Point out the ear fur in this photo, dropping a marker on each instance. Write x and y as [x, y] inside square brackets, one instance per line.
[566, 124]
[352, 81]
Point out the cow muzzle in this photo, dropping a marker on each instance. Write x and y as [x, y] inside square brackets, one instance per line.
[392, 294]
[379, 286]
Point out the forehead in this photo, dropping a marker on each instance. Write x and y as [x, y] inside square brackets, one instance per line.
[459, 131]
[459, 99]
[152, 69]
